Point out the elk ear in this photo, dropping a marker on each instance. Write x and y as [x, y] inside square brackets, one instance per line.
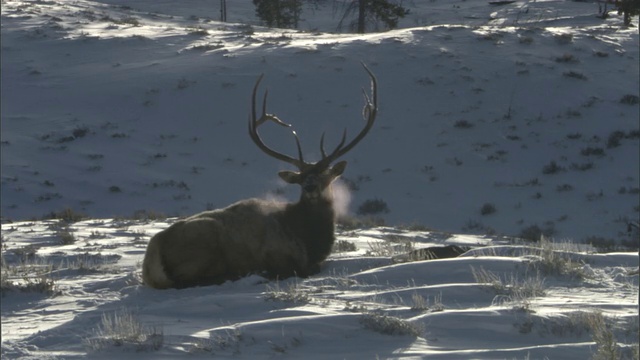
[338, 168]
[290, 177]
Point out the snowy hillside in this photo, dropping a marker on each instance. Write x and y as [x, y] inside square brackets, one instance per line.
[493, 119]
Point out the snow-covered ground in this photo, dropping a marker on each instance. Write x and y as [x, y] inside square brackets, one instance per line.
[497, 301]
[492, 119]
[110, 107]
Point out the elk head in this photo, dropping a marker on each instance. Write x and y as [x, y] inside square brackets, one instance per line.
[314, 178]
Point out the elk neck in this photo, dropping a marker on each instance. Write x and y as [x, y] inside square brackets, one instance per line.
[313, 221]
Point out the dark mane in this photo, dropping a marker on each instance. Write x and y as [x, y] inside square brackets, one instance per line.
[314, 225]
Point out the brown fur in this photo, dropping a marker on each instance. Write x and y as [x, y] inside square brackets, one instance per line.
[253, 236]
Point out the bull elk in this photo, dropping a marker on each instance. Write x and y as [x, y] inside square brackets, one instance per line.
[254, 236]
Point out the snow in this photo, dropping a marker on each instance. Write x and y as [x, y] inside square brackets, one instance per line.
[456, 316]
[113, 107]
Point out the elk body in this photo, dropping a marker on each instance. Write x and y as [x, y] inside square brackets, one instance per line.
[255, 236]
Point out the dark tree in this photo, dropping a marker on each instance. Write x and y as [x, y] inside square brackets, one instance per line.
[628, 8]
[279, 13]
[223, 10]
[389, 12]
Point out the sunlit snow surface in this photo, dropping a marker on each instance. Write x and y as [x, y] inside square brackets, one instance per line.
[110, 107]
[320, 317]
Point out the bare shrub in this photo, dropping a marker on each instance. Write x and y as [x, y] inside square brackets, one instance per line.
[346, 222]
[128, 20]
[227, 340]
[463, 124]
[389, 325]
[535, 232]
[614, 139]
[344, 246]
[66, 236]
[68, 215]
[488, 209]
[42, 284]
[30, 275]
[552, 168]
[148, 215]
[554, 261]
[567, 58]
[389, 248]
[420, 303]
[603, 336]
[575, 75]
[511, 288]
[592, 151]
[630, 99]
[372, 207]
[583, 166]
[292, 293]
[564, 188]
[566, 38]
[123, 329]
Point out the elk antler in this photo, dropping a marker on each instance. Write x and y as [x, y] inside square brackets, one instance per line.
[369, 112]
[255, 122]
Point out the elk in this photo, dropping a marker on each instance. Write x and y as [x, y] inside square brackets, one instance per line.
[254, 236]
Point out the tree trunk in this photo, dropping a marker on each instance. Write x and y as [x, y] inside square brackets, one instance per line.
[362, 15]
[223, 10]
[277, 13]
[296, 13]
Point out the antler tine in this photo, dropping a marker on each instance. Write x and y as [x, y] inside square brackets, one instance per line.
[324, 154]
[254, 122]
[369, 112]
[300, 157]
